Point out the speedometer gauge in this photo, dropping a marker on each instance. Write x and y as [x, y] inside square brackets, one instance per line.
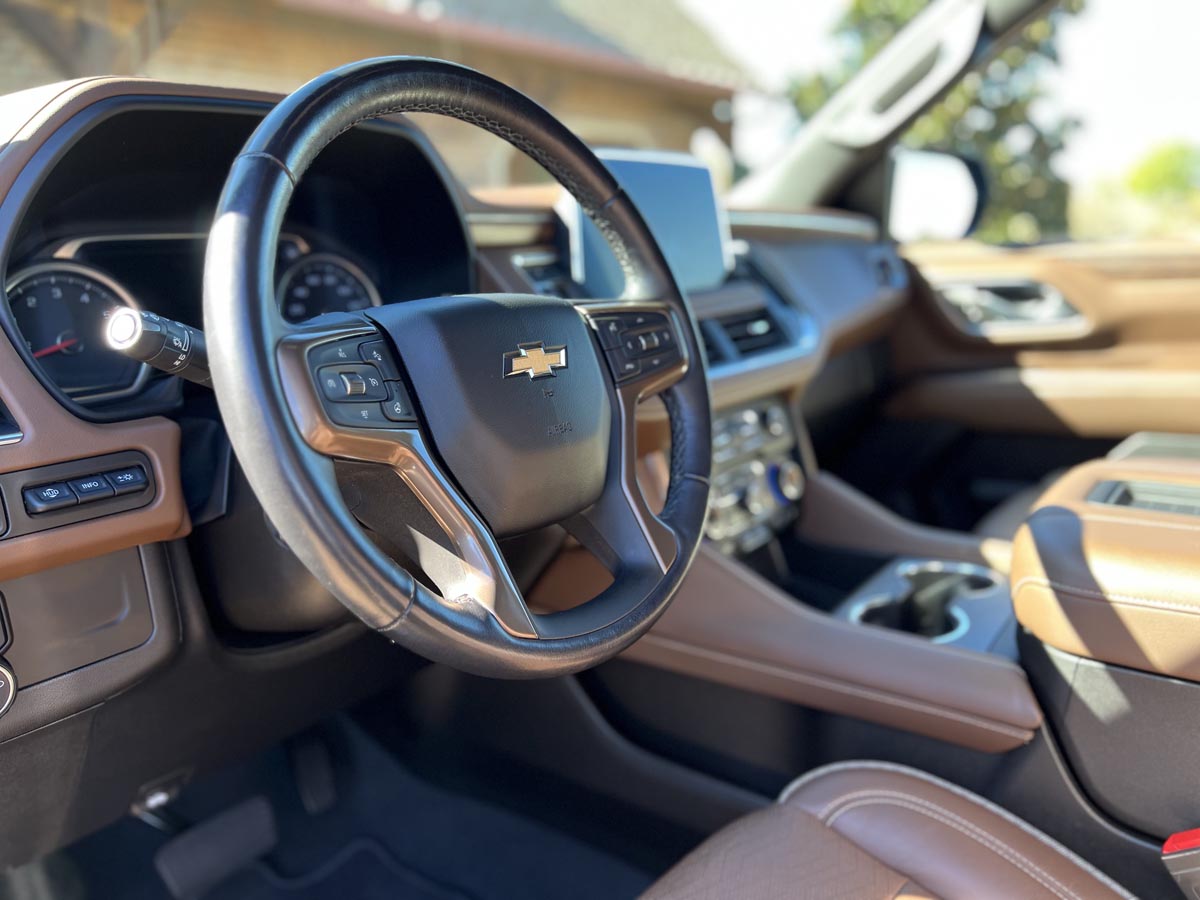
[61, 309]
[321, 283]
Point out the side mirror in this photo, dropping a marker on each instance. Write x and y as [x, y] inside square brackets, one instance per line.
[933, 196]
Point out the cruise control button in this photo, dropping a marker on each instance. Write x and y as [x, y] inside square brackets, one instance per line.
[358, 415]
[48, 497]
[129, 480]
[397, 407]
[354, 382]
[376, 352]
[93, 487]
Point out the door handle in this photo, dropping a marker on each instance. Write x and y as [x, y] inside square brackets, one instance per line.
[1011, 310]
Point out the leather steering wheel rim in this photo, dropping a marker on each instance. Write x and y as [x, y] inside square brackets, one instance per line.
[285, 448]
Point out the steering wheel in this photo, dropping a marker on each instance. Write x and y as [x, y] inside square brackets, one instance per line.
[498, 414]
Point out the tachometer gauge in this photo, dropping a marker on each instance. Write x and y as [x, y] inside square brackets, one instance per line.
[321, 283]
[61, 309]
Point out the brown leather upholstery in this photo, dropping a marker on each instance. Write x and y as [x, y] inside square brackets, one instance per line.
[875, 831]
[1116, 584]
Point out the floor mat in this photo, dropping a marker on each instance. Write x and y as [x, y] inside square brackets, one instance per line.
[391, 835]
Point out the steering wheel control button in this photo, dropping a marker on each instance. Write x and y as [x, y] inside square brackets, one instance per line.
[637, 343]
[354, 382]
[622, 364]
[358, 415]
[48, 497]
[8, 687]
[129, 480]
[376, 353]
[333, 353]
[397, 407]
[609, 329]
[91, 487]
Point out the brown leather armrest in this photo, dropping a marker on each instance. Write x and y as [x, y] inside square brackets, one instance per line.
[1116, 584]
[728, 625]
[733, 627]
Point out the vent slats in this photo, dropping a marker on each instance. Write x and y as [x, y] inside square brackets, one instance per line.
[753, 332]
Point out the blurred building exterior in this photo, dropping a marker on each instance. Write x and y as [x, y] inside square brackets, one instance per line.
[619, 72]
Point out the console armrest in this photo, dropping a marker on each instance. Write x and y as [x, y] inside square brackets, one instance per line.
[1115, 581]
[728, 625]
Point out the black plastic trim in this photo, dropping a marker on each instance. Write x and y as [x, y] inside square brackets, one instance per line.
[22, 522]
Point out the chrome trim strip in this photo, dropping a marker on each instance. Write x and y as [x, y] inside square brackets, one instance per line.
[842, 226]
[528, 258]
[69, 248]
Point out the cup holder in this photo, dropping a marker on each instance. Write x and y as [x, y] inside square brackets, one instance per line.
[924, 607]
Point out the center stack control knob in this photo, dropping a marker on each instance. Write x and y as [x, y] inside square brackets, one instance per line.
[787, 481]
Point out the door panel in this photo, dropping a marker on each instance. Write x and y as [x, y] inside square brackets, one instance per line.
[1122, 353]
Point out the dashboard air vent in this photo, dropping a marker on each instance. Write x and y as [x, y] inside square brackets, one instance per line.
[712, 345]
[752, 332]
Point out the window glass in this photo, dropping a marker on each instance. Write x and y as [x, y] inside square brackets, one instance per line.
[1085, 128]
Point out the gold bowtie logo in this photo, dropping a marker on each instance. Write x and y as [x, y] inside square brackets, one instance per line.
[535, 359]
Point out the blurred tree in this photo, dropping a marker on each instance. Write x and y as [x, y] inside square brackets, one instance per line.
[1169, 172]
[994, 116]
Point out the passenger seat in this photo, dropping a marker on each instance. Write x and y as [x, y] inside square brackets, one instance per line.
[1003, 521]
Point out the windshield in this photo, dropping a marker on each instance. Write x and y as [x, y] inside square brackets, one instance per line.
[706, 76]
[731, 81]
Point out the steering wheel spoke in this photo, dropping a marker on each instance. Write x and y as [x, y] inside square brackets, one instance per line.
[462, 558]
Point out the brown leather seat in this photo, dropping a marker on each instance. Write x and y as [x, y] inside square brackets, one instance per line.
[876, 831]
[1003, 521]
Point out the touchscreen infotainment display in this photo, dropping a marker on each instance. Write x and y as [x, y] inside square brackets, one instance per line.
[675, 194]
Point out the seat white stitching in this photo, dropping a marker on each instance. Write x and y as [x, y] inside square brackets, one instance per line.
[982, 802]
[961, 825]
[1105, 596]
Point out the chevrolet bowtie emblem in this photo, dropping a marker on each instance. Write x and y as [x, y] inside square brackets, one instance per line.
[536, 359]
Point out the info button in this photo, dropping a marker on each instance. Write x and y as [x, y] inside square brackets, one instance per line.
[93, 487]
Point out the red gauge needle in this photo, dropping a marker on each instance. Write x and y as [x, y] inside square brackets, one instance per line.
[55, 348]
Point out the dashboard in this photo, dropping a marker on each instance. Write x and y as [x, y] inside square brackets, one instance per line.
[163, 588]
[123, 223]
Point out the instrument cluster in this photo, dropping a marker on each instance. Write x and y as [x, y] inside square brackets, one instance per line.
[61, 302]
